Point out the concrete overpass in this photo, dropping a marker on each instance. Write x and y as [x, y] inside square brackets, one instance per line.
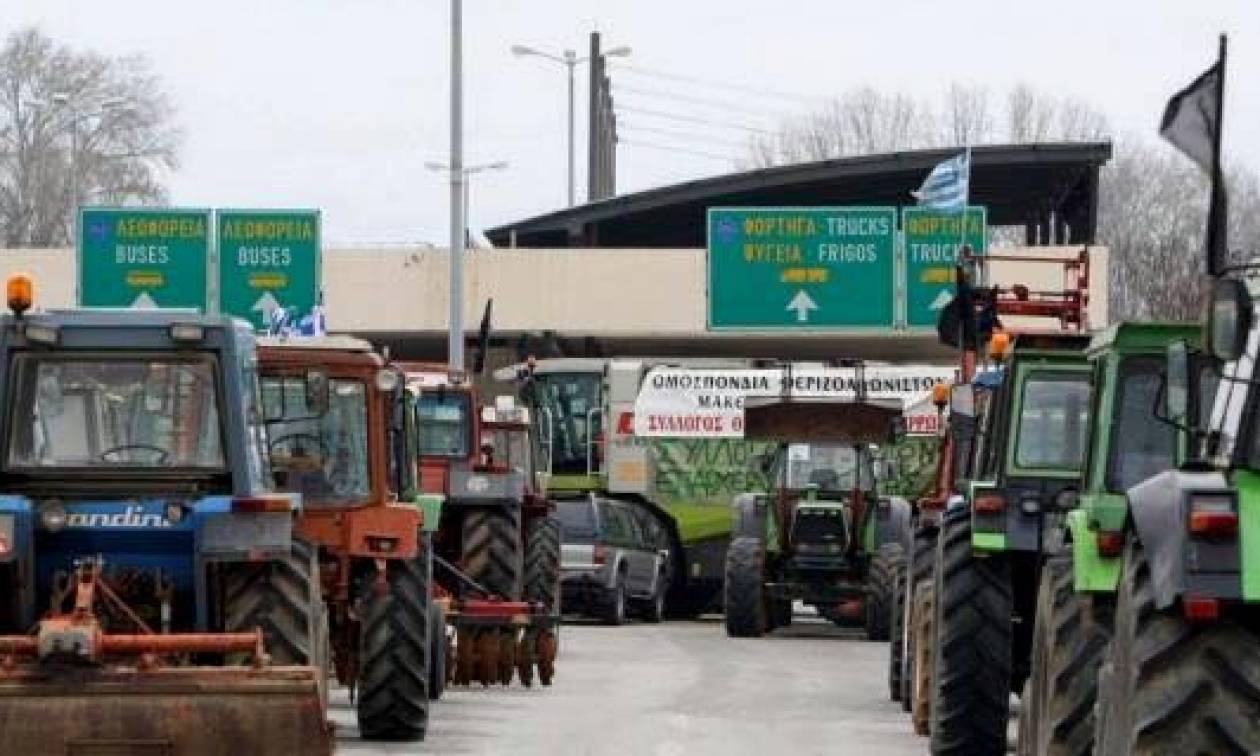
[599, 302]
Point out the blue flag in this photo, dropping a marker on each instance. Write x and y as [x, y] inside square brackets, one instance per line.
[946, 186]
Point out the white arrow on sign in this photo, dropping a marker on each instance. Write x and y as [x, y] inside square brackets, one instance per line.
[266, 304]
[802, 303]
[144, 302]
[942, 299]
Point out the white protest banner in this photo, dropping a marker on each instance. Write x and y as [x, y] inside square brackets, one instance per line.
[709, 403]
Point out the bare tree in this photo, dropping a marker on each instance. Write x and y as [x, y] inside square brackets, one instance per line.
[860, 122]
[965, 116]
[1030, 117]
[75, 128]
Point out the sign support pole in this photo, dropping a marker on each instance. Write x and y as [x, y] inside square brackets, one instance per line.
[455, 344]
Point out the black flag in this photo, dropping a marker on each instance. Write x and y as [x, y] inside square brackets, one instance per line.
[1192, 123]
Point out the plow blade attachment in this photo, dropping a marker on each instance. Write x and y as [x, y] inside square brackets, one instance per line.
[164, 712]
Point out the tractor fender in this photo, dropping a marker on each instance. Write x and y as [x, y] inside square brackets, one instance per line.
[893, 523]
[1157, 508]
[749, 511]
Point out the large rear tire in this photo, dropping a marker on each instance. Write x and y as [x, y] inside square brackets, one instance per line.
[1069, 637]
[492, 549]
[971, 655]
[284, 598]
[881, 586]
[746, 606]
[542, 563]
[1172, 687]
[393, 685]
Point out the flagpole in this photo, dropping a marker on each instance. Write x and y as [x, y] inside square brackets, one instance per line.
[1215, 231]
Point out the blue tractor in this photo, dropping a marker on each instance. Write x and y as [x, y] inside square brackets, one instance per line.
[153, 598]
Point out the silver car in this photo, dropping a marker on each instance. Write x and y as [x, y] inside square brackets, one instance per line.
[615, 557]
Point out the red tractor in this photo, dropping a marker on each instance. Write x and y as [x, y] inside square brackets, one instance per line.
[497, 544]
[341, 427]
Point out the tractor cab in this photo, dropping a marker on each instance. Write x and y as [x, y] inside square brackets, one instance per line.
[817, 482]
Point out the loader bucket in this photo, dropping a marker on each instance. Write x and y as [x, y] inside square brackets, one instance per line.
[125, 711]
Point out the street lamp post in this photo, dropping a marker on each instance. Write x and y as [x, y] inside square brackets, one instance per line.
[75, 116]
[569, 60]
[468, 171]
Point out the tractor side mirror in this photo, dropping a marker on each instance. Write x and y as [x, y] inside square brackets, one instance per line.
[317, 391]
[1177, 383]
[1229, 319]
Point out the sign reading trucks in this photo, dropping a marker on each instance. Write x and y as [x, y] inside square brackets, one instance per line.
[709, 403]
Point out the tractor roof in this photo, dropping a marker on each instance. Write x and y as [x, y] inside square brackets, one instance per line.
[1142, 337]
[553, 365]
[330, 343]
[125, 317]
[805, 420]
[1050, 341]
[319, 351]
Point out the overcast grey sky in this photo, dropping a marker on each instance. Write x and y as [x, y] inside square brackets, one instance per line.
[337, 104]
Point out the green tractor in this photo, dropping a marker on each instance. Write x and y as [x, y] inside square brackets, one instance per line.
[975, 621]
[822, 535]
[1128, 442]
[1182, 671]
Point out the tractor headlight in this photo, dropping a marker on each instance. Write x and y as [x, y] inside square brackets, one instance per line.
[53, 516]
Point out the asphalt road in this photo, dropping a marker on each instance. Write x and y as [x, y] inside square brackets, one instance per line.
[676, 688]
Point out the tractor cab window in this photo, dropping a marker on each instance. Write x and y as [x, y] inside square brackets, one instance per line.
[571, 408]
[1141, 444]
[155, 412]
[445, 424]
[1053, 421]
[322, 456]
[827, 467]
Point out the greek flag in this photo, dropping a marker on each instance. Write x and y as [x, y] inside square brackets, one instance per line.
[314, 323]
[946, 186]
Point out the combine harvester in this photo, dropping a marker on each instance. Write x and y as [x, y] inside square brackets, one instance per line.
[497, 542]
[153, 598]
[343, 432]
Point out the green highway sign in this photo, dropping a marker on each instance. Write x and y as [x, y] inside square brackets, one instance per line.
[150, 257]
[268, 259]
[802, 268]
[932, 240]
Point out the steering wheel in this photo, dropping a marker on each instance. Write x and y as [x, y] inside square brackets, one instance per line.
[163, 454]
[318, 442]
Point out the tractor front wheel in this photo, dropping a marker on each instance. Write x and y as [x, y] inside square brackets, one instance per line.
[896, 634]
[880, 589]
[746, 606]
[393, 685]
[971, 655]
[1069, 637]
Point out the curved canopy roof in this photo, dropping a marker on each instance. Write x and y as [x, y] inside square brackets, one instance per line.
[1049, 189]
